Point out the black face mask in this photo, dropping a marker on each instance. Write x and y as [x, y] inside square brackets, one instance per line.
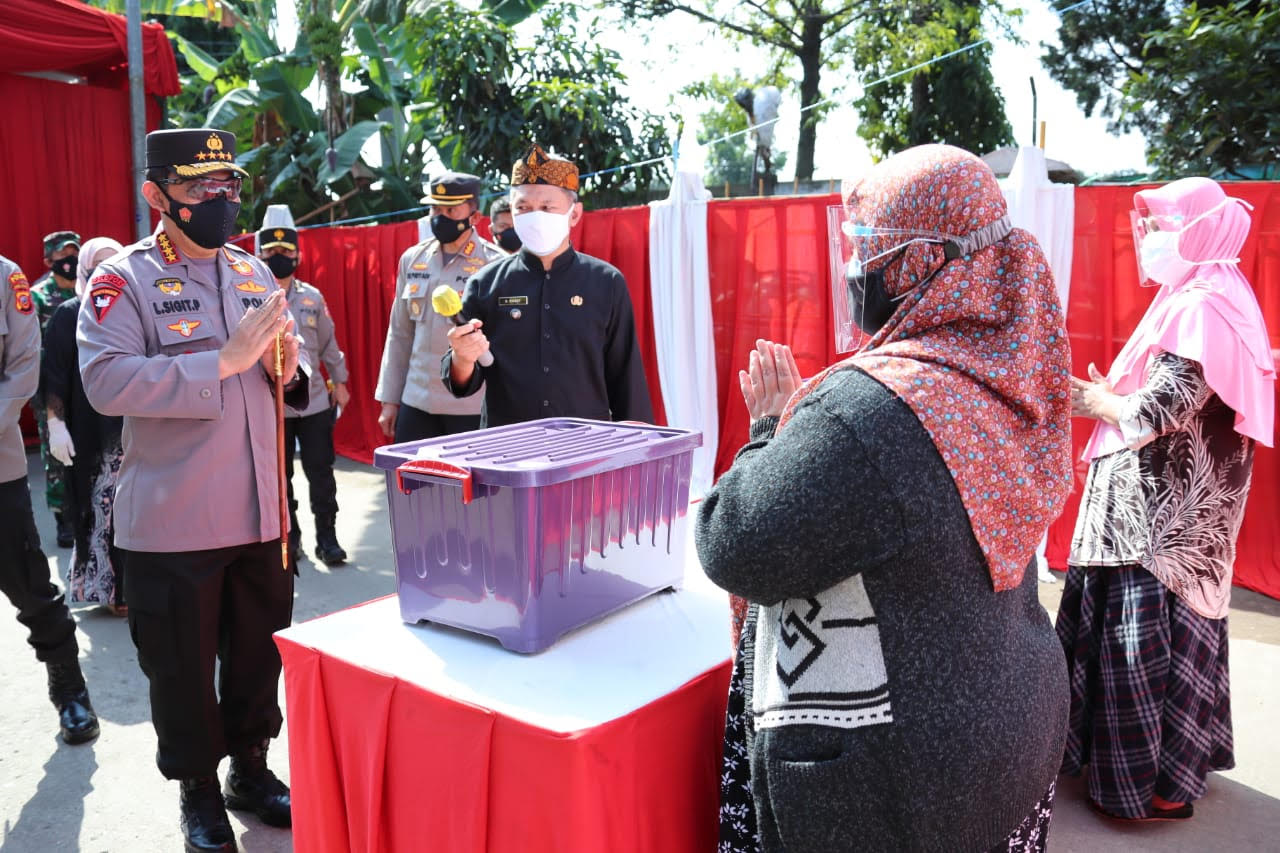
[447, 230]
[282, 266]
[509, 240]
[65, 268]
[208, 223]
[870, 304]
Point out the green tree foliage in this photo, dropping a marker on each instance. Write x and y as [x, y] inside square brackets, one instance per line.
[1192, 78]
[822, 36]
[483, 98]
[730, 160]
[955, 101]
[1206, 94]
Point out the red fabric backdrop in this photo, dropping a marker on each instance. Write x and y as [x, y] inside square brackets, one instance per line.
[63, 35]
[769, 278]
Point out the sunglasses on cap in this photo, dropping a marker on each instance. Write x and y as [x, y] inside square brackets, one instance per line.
[205, 188]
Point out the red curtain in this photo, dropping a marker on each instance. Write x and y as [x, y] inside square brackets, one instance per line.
[769, 279]
[67, 165]
[1105, 306]
[63, 35]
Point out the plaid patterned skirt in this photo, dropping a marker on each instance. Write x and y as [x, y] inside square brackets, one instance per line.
[1150, 692]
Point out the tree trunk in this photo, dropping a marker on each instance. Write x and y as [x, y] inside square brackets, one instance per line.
[811, 67]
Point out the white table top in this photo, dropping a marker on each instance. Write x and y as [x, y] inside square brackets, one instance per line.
[594, 674]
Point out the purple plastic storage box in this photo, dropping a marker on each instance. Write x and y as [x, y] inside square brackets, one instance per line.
[525, 532]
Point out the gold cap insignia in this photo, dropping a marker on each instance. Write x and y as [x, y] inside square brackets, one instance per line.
[213, 143]
[279, 234]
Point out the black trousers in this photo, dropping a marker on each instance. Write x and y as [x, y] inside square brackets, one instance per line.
[188, 609]
[314, 433]
[24, 578]
[414, 424]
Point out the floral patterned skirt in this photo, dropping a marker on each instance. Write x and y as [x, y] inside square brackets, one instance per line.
[93, 576]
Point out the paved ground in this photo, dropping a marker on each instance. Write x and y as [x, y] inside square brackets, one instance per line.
[108, 796]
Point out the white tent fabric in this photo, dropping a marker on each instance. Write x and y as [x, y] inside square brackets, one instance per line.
[1047, 210]
[682, 328]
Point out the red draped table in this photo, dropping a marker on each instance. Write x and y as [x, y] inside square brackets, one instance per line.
[413, 738]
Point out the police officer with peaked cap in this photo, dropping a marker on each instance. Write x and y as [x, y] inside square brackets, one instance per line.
[177, 335]
[415, 403]
[310, 428]
[24, 570]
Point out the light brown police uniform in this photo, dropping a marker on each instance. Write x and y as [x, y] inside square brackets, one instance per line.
[19, 365]
[199, 467]
[315, 327]
[417, 337]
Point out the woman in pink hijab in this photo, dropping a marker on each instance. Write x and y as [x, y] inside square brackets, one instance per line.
[1143, 615]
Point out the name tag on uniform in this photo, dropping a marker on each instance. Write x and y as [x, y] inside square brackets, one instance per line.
[513, 300]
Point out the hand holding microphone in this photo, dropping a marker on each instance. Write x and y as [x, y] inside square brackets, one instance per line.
[469, 344]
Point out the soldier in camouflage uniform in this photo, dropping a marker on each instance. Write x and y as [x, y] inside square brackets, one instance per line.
[61, 255]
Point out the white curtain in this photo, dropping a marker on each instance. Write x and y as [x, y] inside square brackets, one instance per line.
[1045, 209]
[682, 328]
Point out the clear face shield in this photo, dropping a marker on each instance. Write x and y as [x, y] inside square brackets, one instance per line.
[1155, 244]
[858, 256]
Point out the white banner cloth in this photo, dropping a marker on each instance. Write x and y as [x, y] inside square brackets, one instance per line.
[681, 288]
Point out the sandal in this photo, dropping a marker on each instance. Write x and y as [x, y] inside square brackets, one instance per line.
[1182, 812]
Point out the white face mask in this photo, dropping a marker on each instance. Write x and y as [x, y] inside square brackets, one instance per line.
[542, 232]
[1160, 259]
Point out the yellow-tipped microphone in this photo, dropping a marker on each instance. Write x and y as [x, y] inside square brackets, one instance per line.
[447, 303]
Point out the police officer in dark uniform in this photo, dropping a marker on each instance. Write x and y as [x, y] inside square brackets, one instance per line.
[559, 323]
[177, 335]
[24, 570]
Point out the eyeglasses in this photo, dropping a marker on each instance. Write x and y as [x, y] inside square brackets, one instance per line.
[203, 189]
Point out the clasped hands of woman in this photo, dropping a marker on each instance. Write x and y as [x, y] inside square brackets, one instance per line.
[770, 379]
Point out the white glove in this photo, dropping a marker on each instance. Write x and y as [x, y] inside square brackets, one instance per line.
[60, 444]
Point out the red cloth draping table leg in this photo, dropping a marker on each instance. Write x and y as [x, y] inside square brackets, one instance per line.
[379, 765]
[644, 783]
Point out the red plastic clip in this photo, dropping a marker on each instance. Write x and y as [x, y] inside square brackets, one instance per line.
[436, 468]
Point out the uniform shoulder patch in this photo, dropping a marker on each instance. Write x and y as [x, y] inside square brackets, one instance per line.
[102, 298]
[21, 292]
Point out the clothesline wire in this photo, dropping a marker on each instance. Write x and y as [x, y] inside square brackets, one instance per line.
[727, 137]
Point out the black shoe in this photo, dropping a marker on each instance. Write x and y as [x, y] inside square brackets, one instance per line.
[327, 547]
[67, 691]
[252, 787]
[66, 533]
[204, 822]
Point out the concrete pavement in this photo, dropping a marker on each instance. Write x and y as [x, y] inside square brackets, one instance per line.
[108, 795]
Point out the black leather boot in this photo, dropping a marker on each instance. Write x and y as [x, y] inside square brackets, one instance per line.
[69, 695]
[251, 786]
[204, 822]
[327, 547]
[66, 533]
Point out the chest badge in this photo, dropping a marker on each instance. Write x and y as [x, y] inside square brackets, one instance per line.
[515, 314]
[308, 301]
[169, 286]
[311, 320]
[251, 286]
[420, 266]
[575, 301]
[184, 327]
[415, 308]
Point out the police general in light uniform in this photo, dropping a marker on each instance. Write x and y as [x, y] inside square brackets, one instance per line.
[311, 428]
[559, 323]
[177, 335]
[415, 403]
[24, 570]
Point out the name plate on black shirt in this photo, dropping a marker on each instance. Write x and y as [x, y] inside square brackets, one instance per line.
[513, 300]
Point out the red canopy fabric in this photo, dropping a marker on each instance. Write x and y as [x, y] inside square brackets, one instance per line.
[63, 35]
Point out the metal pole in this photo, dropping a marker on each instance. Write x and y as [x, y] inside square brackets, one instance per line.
[137, 117]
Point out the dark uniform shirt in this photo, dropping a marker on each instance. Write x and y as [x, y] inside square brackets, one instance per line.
[563, 342]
